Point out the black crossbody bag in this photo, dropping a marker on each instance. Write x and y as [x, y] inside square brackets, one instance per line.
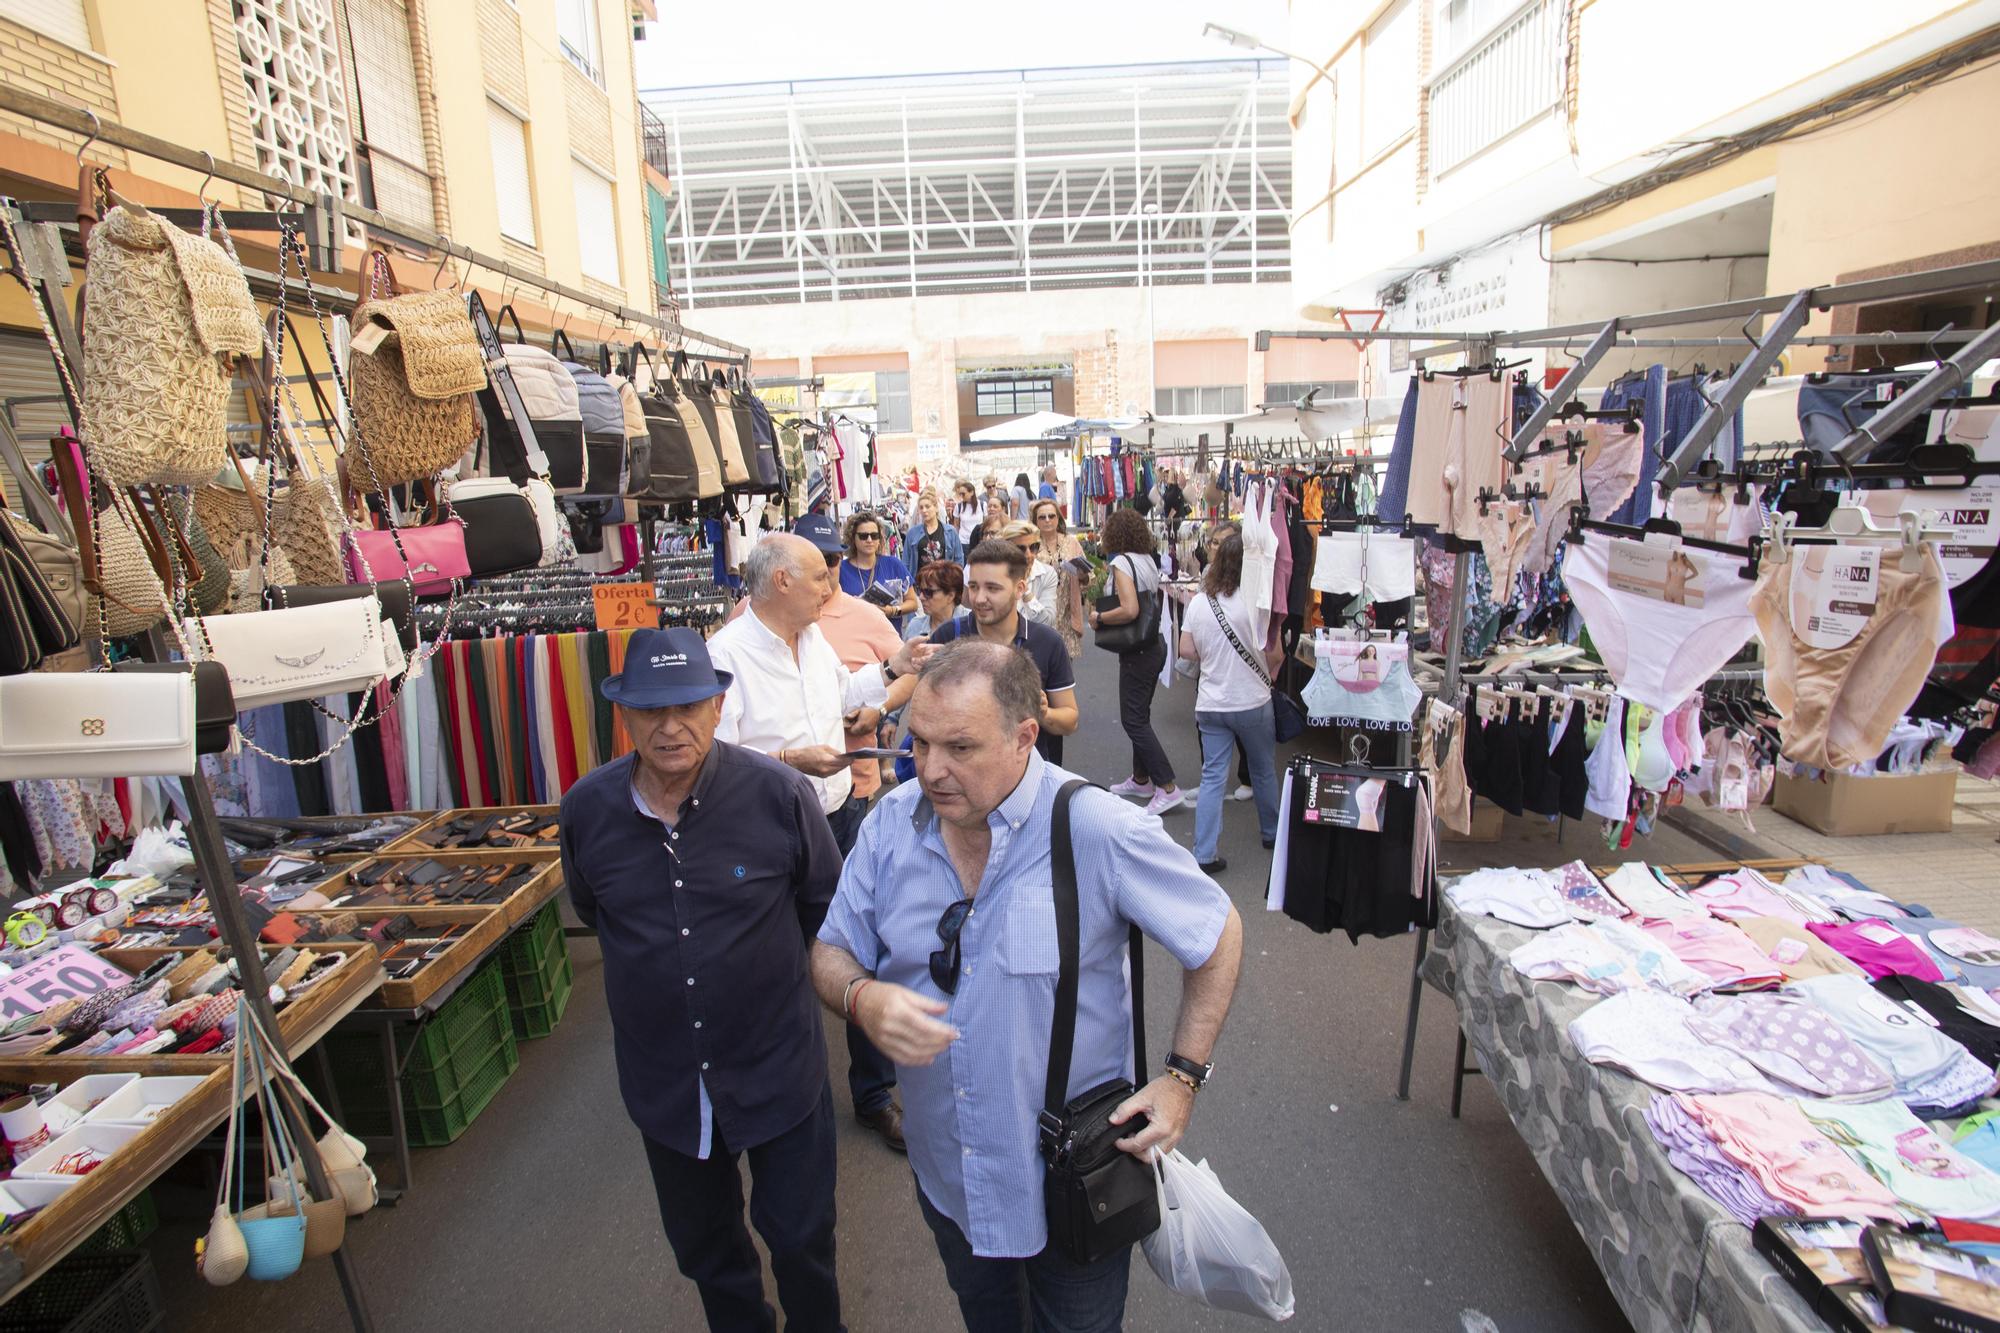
[1286, 719]
[1099, 1198]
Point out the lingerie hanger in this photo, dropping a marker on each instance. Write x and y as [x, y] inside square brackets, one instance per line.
[1849, 523]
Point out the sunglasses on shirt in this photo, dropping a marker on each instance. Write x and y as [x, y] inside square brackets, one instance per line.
[945, 961]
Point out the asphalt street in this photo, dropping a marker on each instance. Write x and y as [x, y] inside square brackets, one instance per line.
[1390, 1214]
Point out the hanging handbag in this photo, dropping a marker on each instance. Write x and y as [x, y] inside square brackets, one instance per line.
[503, 530]
[429, 555]
[759, 436]
[274, 1232]
[393, 597]
[413, 368]
[206, 572]
[341, 1155]
[326, 1219]
[1286, 719]
[222, 1256]
[214, 704]
[552, 445]
[1138, 633]
[1099, 1198]
[301, 652]
[603, 422]
[167, 311]
[96, 724]
[41, 599]
[125, 591]
[712, 405]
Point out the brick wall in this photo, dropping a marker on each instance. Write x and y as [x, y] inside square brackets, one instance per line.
[1098, 391]
[500, 52]
[43, 65]
[516, 253]
[589, 120]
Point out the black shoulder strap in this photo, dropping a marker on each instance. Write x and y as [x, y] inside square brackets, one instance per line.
[1062, 1030]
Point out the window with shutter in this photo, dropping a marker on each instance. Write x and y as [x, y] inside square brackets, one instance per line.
[576, 29]
[396, 177]
[512, 186]
[60, 19]
[596, 224]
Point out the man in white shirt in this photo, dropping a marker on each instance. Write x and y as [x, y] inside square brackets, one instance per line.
[792, 699]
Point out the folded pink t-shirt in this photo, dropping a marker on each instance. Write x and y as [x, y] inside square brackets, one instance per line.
[1716, 949]
[1877, 949]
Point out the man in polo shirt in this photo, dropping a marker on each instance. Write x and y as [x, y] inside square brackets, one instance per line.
[705, 868]
[996, 579]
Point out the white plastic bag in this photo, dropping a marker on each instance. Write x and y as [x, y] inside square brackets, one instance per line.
[1210, 1249]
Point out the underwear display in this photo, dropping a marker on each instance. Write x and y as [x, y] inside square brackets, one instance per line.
[1716, 949]
[1648, 1035]
[1506, 531]
[1442, 755]
[1374, 565]
[1610, 777]
[1923, 1169]
[1379, 881]
[1637, 886]
[1849, 636]
[1720, 516]
[1647, 755]
[1588, 463]
[1664, 617]
[1797, 951]
[1522, 897]
[1361, 683]
[1908, 1047]
[1460, 430]
[1789, 1154]
[1877, 948]
[1606, 957]
[1792, 1042]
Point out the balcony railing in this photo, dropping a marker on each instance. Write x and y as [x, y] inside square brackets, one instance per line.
[653, 131]
[1503, 83]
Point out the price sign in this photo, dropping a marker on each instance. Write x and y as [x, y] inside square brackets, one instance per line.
[624, 606]
[69, 973]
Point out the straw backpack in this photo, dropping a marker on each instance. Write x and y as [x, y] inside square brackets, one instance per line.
[416, 364]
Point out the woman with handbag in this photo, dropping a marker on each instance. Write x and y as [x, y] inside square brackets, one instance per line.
[1063, 551]
[866, 567]
[1133, 599]
[1232, 703]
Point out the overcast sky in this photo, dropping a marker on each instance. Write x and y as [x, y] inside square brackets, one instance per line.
[762, 41]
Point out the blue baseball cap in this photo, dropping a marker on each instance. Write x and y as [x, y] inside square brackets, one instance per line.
[820, 531]
[663, 669]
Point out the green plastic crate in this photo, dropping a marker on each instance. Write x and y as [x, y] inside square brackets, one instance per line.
[128, 1228]
[535, 962]
[454, 1065]
[114, 1292]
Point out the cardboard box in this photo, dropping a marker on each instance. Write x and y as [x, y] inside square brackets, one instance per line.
[1842, 805]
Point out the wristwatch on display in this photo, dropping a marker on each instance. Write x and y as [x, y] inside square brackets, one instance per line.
[1191, 1072]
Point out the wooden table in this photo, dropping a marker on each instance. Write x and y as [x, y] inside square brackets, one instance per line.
[59, 1228]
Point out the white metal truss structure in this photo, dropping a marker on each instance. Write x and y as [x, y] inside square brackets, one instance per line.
[1022, 181]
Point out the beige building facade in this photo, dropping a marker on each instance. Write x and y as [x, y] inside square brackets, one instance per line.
[1474, 163]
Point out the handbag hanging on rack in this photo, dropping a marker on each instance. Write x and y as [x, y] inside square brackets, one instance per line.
[505, 529]
[414, 367]
[127, 591]
[549, 443]
[718, 420]
[92, 724]
[41, 599]
[429, 555]
[603, 422]
[759, 436]
[301, 652]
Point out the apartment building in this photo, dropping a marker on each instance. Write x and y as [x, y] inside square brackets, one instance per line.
[1501, 164]
[512, 126]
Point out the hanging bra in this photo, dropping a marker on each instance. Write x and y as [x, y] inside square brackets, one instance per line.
[1610, 778]
[1362, 684]
[1651, 764]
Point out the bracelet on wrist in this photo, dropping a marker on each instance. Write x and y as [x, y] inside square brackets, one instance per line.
[855, 987]
[1183, 1079]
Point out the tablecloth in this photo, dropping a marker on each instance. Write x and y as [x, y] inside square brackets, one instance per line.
[1674, 1260]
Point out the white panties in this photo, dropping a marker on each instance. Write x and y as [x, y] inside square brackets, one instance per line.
[1661, 648]
[1383, 569]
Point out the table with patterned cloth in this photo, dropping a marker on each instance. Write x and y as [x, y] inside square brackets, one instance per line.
[1673, 1258]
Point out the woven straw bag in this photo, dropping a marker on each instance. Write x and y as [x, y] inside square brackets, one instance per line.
[166, 311]
[412, 391]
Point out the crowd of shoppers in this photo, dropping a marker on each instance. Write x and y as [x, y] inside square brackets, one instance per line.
[743, 858]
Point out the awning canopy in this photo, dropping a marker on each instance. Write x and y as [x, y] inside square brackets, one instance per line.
[1031, 429]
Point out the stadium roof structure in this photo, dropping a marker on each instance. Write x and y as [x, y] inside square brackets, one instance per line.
[1022, 181]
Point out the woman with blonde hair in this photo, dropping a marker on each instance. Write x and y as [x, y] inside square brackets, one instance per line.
[1040, 603]
[1059, 549]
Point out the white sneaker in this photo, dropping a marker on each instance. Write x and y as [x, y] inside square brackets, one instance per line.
[1164, 801]
[1130, 788]
[1242, 793]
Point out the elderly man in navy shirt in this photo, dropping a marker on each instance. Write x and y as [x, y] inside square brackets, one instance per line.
[705, 869]
[942, 945]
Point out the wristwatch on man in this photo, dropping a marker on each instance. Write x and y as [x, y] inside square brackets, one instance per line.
[1190, 1072]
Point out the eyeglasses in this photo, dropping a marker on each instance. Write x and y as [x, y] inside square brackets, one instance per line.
[944, 962]
[868, 536]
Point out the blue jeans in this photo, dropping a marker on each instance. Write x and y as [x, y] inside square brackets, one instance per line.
[1221, 733]
[997, 1295]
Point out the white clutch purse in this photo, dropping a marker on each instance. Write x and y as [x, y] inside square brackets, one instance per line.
[97, 724]
[297, 652]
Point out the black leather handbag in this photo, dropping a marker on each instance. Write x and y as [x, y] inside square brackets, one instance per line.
[1134, 635]
[214, 704]
[1099, 1197]
[759, 437]
[502, 535]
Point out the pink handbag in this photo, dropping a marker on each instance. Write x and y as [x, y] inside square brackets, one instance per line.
[435, 556]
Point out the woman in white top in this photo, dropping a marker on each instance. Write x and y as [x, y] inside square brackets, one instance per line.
[966, 512]
[1040, 603]
[1232, 704]
[1135, 571]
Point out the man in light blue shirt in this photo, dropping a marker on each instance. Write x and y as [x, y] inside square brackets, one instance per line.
[941, 944]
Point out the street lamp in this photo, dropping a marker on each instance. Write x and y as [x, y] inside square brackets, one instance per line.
[1251, 43]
